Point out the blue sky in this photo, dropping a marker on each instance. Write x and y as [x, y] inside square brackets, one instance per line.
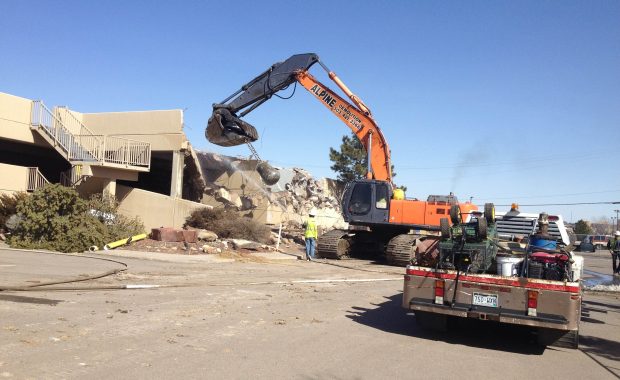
[500, 101]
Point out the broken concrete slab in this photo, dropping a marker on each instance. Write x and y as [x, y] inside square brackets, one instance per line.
[211, 250]
[233, 182]
[245, 244]
[206, 235]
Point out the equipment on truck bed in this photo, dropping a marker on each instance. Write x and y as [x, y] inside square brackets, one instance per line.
[376, 211]
[545, 258]
[468, 247]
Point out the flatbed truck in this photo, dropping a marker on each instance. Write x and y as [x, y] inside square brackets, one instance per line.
[551, 307]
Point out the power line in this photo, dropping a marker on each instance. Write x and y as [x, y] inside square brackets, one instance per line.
[565, 204]
[551, 196]
[552, 160]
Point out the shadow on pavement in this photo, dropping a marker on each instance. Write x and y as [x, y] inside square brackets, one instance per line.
[593, 304]
[602, 347]
[587, 317]
[33, 300]
[390, 317]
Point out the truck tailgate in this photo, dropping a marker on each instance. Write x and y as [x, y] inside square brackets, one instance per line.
[492, 297]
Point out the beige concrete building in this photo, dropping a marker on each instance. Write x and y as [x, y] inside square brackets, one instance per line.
[101, 152]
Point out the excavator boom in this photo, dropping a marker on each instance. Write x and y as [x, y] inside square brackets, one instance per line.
[361, 123]
[226, 128]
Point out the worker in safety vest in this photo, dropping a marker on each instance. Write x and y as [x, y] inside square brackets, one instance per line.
[614, 247]
[311, 234]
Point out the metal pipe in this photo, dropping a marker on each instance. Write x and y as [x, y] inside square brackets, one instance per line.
[122, 242]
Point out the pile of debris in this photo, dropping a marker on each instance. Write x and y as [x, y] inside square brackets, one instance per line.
[194, 242]
[234, 183]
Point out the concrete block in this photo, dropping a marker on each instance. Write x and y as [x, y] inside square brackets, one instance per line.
[167, 234]
[190, 236]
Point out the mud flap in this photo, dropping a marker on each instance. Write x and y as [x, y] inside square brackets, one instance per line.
[226, 129]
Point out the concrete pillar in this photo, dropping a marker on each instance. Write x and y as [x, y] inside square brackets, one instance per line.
[109, 187]
[176, 182]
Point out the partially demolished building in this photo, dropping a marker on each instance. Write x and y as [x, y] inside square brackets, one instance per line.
[144, 159]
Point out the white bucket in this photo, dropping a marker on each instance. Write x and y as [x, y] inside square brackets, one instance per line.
[507, 265]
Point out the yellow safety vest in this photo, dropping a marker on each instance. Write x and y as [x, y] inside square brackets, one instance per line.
[311, 230]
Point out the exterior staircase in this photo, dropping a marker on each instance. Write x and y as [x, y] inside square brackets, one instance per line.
[73, 177]
[36, 180]
[80, 146]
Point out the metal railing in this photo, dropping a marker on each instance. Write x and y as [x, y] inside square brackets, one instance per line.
[87, 146]
[36, 180]
[63, 137]
[71, 122]
[72, 177]
[120, 150]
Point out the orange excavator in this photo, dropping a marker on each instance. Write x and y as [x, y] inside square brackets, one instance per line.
[380, 219]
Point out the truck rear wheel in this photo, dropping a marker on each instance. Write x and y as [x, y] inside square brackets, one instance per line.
[431, 321]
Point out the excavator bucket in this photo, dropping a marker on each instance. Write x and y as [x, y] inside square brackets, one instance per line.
[226, 129]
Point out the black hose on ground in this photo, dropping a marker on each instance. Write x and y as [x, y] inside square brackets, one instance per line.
[66, 281]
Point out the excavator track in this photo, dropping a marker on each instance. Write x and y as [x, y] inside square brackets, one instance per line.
[401, 249]
[334, 245]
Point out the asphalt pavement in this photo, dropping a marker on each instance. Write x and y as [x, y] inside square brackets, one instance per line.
[262, 317]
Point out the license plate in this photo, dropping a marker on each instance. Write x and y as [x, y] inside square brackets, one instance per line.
[488, 300]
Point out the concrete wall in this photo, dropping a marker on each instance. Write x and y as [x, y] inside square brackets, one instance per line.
[155, 210]
[15, 119]
[163, 129]
[13, 178]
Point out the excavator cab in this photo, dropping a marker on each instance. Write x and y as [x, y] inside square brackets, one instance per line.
[367, 202]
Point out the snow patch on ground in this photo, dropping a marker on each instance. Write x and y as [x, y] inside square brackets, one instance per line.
[604, 288]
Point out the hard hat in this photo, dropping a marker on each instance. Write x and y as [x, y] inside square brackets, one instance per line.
[617, 233]
[312, 212]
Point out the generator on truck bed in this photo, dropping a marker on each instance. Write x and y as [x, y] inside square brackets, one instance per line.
[506, 276]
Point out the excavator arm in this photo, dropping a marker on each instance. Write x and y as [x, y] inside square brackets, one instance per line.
[226, 128]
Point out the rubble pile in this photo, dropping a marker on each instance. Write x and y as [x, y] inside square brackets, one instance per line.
[234, 183]
[303, 193]
[194, 242]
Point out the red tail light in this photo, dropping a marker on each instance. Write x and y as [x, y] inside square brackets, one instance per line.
[439, 291]
[532, 302]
